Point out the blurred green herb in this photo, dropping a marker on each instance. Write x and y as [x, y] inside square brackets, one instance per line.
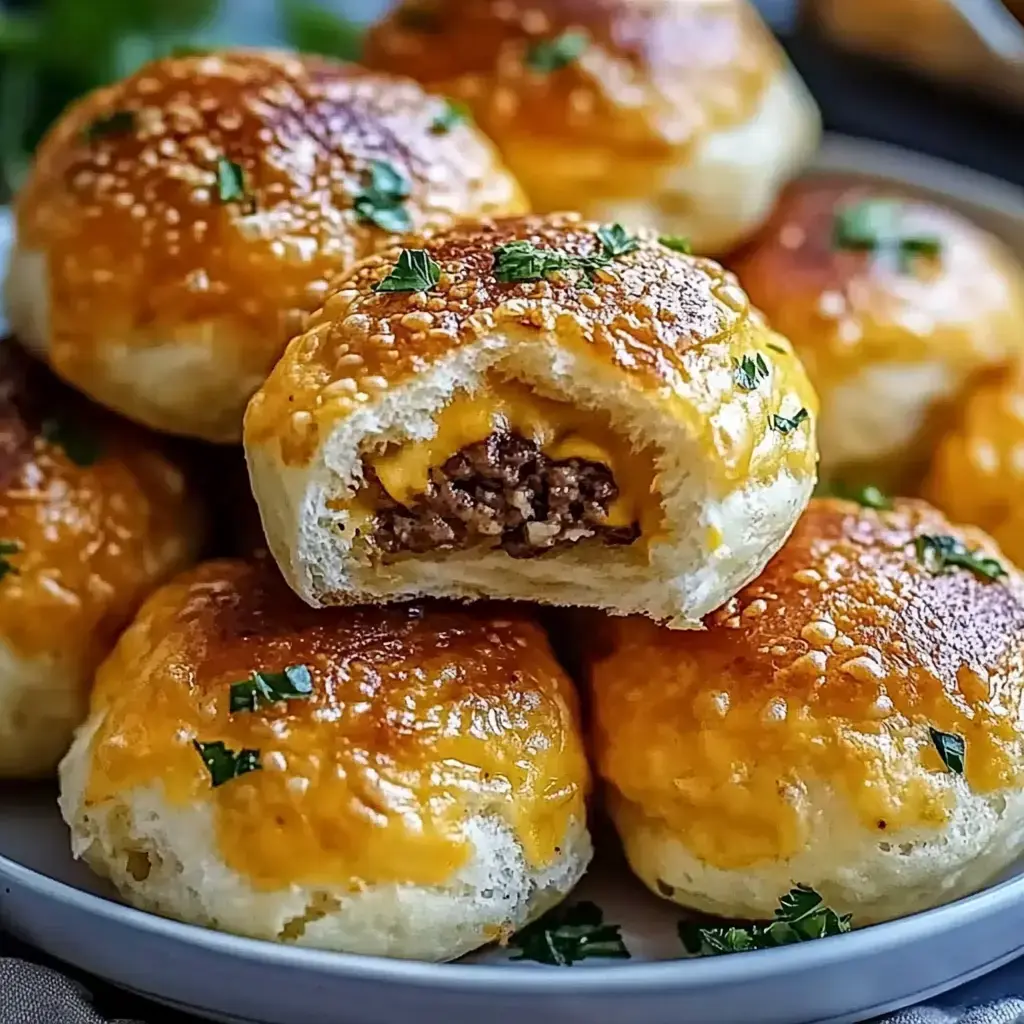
[566, 935]
[79, 443]
[786, 424]
[454, 113]
[554, 54]
[8, 547]
[380, 201]
[310, 28]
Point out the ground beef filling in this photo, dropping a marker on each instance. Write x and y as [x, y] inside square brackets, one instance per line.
[505, 492]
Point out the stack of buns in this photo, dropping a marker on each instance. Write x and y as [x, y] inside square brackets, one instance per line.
[355, 734]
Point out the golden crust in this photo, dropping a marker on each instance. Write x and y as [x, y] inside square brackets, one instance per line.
[826, 671]
[845, 310]
[421, 717]
[89, 540]
[129, 212]
[650, 78]
[977, 472]
[670, 324]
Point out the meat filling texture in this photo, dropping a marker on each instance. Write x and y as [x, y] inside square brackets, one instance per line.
[503, 491]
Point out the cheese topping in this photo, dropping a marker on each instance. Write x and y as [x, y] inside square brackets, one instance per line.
[560, 430]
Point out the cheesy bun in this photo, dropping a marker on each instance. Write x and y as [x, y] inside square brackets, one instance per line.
[977, 472]
[177, 227]
[894, 304]
[678, 114]
[92, 517]
[563, 412]
[850, 721]
[405, 781]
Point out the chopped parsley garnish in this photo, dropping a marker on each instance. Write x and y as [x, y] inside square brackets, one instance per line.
[524, 261]
[939, 552]
[224, 764]
[554, 54]
[566, 935]
[380, 201]
[617, 241]
[951, 748]
[677, 243]
[869, 495]
[80, 445]
[454, 113]
[785, 424]
[415, 271]
[750, 371]
[262, 688]
[800, 916]
[118, 123]
[231, 184]
[777, 348]
[8, 547]
[873, 225]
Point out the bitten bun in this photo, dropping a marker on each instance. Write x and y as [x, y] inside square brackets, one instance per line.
[92, 518]
[977, 471]
[623, 433]
[677, 114]
[796, 739]
[420, 793]
[177, 227]
[890, 336]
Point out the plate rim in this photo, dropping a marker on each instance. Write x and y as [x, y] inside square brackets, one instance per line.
[838, 154]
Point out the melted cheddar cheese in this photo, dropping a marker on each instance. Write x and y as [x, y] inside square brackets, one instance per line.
[421, 719]
[562, 431]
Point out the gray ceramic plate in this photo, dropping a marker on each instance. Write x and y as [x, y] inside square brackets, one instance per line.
[57, 905]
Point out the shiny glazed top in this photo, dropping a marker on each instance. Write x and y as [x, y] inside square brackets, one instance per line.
[85, 535]
[650, 76]
[847, 310]
[818, 681]
[671, 327]
[977, 472]
[421, 717]
[125, 197]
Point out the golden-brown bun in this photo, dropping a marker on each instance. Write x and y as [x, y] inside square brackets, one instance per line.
[790, 741]
[888, 343]
[92, 517]
[977, 472]
[678, 114]
[159, 298]
[638, 370]
[425, 798]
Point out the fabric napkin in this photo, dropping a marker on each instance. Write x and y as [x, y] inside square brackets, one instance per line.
[33, 993]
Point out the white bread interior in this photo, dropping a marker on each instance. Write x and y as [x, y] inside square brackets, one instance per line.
[715, 538]
[164, 859]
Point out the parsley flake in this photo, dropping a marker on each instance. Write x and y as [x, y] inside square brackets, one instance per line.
[939, 552]
[800, 916]
[524, 261]
[225, 764]
[120, 122]
[566, 935]
[454, 113]
[80, 445]
[617, 241]
[749, 371]
[874, 225]
[8, 547]
[786, 424]
[951, 748]
[380, 201]
[231, 184]
[415, 271]
[263, 688]
[677, 243]
[554, 54]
